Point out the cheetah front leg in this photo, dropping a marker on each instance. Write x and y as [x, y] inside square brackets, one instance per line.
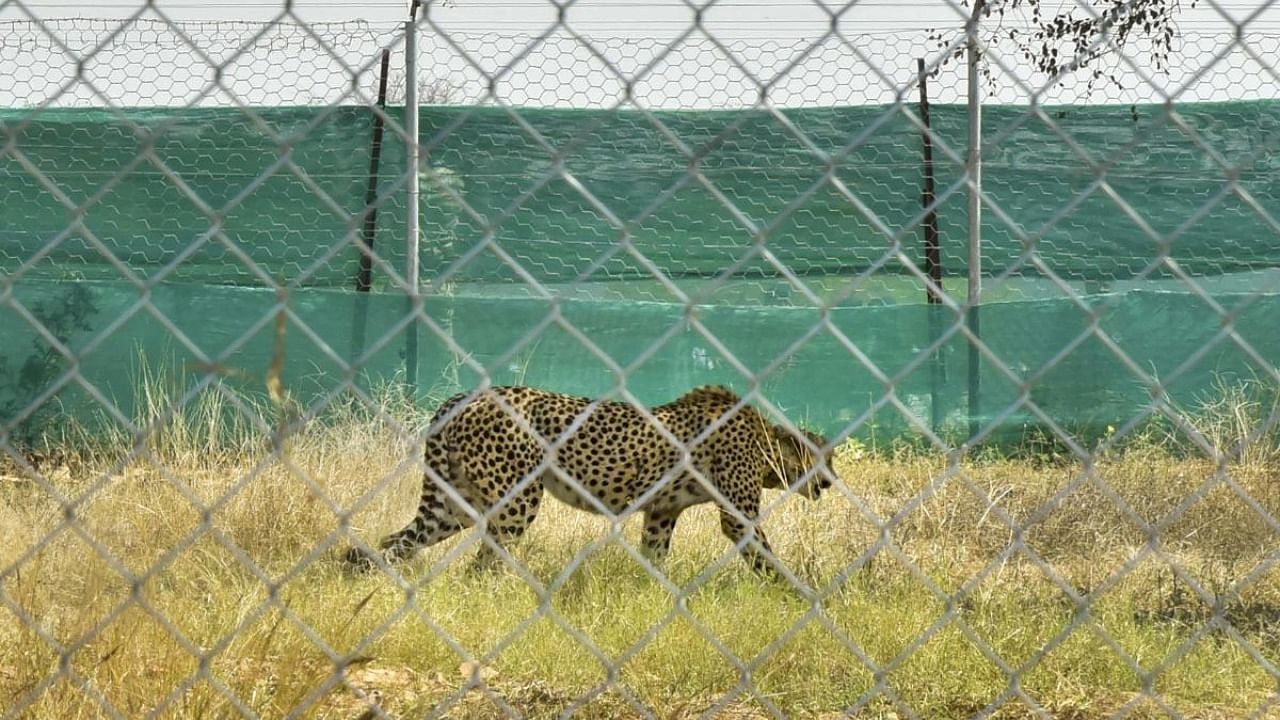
[750, 537]
[437, 517]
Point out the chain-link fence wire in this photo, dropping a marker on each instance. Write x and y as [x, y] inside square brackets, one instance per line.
[121, 493]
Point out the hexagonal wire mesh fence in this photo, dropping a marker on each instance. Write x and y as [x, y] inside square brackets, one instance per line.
[217, 399]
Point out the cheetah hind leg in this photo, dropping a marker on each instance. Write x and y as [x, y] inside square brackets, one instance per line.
[436, 519]
[509, 518]
[655, 542]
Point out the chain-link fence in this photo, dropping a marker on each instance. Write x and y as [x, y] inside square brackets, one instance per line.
[255, 464]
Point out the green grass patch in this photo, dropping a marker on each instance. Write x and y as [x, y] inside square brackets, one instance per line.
[935, 580]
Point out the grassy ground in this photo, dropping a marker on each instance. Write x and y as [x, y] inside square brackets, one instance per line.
[946, 600]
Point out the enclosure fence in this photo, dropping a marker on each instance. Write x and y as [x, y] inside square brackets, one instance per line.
[246, 266]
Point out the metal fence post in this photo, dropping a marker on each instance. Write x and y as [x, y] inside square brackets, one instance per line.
[411, 201]
[973, 170]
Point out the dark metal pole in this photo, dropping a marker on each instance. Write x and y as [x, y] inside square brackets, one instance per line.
[932, 253]
[364, 280]
[932, 259]
[364, 277]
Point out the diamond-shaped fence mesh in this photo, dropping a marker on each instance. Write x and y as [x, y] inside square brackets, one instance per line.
[257, 463]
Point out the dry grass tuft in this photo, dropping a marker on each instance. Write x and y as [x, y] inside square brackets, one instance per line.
[240, 603]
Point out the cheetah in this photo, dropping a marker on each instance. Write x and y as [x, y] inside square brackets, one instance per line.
[602, 457]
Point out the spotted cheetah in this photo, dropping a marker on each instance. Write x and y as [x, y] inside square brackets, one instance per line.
[498, 449]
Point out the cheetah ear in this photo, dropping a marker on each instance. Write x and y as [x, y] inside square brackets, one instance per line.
[819, 441]
[787, 440]
[794, 441]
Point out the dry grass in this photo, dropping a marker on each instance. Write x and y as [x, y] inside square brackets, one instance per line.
[202, 635]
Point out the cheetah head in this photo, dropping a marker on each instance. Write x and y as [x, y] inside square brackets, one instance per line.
[793, 465]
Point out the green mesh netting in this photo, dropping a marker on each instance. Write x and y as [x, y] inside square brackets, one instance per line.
[215, 201]
[812, 376]
[237, 194]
